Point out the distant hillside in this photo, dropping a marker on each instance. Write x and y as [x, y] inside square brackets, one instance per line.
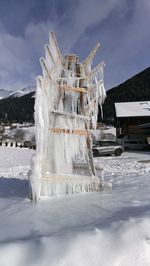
[136, 88]
[17, 109]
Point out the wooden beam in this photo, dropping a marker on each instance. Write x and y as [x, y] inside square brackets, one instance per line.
[71, 115]
[56, 44]
[76, 89]
[47, 48]
[91, 55]
[39, 81]
[95, 69]
[67, 131]
[43, 64]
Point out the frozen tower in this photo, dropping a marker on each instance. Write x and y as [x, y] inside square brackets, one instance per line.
[66, 107]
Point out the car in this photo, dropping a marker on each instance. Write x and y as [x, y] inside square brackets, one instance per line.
[134, 144]
[107, 147]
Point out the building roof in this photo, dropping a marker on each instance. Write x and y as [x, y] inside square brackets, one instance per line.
[132, 109]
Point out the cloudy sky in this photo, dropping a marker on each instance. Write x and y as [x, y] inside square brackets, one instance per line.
[121, 26]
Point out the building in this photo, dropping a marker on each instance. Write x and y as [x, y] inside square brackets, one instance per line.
[130, 116]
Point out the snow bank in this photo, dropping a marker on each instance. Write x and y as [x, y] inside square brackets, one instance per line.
[125, 244]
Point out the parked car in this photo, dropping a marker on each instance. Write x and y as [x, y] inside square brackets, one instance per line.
[133, 144]
[107, 147]
[29, 144]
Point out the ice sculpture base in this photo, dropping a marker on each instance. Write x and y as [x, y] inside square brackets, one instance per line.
[53, 185]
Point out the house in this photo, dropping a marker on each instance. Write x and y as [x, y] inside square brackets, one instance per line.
[130, 118]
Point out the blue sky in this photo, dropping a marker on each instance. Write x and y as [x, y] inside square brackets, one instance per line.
[121, 26]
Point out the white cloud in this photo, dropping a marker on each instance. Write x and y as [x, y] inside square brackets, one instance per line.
[19, 55]
[83, 16]
[14, 62]
[19, 61]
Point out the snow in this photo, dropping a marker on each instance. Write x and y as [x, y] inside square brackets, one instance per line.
[4, 93]
[134, 109]
[110, 228]
[16, 93]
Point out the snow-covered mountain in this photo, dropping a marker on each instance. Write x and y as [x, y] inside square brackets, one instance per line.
[17, 93]
[4, 94]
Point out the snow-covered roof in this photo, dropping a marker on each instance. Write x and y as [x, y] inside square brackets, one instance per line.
[132, 109]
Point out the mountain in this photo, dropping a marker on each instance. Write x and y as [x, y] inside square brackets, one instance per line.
[17, 109]
[5, 93]
[134, 89]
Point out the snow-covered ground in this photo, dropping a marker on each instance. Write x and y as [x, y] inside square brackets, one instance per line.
[109, 228]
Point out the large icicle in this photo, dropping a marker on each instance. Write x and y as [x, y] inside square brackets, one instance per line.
[67, 98]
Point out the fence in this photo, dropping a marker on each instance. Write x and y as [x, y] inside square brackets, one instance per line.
[6, 143]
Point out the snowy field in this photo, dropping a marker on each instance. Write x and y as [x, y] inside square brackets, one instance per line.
[109, 228]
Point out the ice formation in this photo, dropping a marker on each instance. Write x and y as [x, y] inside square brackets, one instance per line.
[66, 107]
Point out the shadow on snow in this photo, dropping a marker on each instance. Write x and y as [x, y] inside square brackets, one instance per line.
[13, 187]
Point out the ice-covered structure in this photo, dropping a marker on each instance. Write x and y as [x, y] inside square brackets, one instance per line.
[66, 107]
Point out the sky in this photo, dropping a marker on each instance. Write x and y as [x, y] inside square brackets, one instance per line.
[121, 26]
